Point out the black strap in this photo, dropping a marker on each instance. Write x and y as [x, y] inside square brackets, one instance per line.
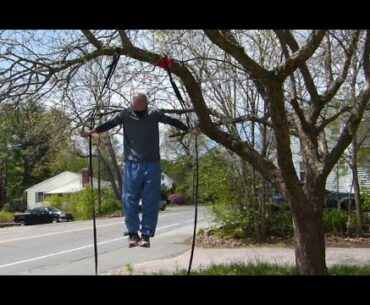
[93, 200]
[111, 70]
[178, 95]
[195, 168]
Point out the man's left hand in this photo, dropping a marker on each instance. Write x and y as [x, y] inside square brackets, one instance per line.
[194, 131]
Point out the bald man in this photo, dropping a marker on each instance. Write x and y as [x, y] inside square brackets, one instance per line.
[142, 175]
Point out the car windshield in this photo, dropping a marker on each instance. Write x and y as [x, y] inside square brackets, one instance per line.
[53, 209]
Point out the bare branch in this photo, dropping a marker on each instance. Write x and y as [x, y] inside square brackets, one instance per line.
[300, 56]
[349, 130]
[124, 38]
[287, 37]
[92, 39]
[334, 87]
[327, 121]
[229, 45]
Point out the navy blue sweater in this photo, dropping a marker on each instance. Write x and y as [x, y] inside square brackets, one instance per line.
[141, 133]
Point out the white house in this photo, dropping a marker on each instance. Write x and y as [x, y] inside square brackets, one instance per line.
[166, 181]
[340, 178]
[63, 183]
[69, 182]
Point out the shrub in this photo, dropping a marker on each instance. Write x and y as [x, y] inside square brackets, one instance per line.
[6, 216]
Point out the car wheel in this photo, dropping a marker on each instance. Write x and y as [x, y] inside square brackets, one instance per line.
[55, 220]
[163, 208]
[23, 223]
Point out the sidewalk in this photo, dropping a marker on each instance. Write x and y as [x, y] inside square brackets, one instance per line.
[205, 257]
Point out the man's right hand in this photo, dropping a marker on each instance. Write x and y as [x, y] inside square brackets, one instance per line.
[87, 133]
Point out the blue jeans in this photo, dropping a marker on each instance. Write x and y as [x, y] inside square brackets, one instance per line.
[141, 180]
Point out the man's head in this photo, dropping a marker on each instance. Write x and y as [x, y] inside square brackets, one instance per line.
[139, 102]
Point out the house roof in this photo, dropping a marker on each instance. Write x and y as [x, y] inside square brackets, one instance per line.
[68, 188]
[65, 182]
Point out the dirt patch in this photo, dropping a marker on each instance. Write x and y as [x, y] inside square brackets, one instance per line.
[209, 240]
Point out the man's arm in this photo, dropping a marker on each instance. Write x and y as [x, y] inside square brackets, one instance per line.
[165, 119]
[117, 120]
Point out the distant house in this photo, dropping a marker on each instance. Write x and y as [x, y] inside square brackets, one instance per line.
[166, 181]
[63, 183]
[340, 178]
[69, 182]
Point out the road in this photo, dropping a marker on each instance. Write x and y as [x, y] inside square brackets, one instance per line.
[67, 248]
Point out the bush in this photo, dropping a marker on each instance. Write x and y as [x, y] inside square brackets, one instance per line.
[234, 221]
[281, 223]
[79, 204]
[15, 206]
[109, 202]
[6, 217]
[176, 198]
[55, 201]
[234, 210]
[366, 201]
[335, 221]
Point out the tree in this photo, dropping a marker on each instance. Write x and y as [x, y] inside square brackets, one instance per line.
[32, 138]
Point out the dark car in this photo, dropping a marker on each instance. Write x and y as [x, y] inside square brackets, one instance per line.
[342, 200]
[59, 215]
[42, 215]
[333, 200]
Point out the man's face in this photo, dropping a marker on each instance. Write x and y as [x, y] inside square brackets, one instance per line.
[139, 103]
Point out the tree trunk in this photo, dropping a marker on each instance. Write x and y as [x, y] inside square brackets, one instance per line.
[309, 234]
[263, 211]
[116, 168]
[310, 244]
[356, 185]
[116, 188]
[26, 173]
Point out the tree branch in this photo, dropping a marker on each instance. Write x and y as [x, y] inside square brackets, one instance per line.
[230, 46]
[265, 167]
[288, 38]
[92, 39]
[349, 130]
[300, 56]
[334, 87]
[124, 38]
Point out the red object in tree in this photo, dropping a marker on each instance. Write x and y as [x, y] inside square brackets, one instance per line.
[166, 62]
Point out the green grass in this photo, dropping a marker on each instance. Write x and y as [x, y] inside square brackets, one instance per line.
[349, 270]
[269, 269]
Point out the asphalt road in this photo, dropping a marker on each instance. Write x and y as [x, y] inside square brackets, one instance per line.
[67, 248]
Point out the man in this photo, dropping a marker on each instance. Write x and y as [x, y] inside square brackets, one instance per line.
[142, 176]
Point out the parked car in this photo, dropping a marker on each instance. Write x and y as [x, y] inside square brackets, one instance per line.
[42, 215]
[343, 200]
[333, 200]
[59, 215]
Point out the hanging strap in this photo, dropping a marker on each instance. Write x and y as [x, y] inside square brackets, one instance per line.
[111, 70]
[166, 63]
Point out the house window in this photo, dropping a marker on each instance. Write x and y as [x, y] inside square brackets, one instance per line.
[39, 197]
